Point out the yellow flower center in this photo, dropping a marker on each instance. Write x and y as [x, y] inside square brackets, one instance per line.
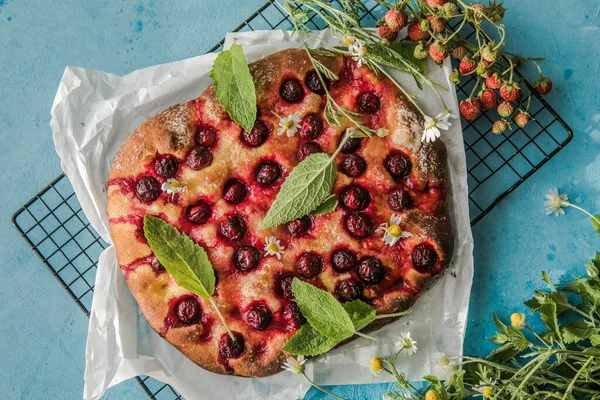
[444, 360]
[395, 231]
[558, 202]
[175, 185]
[407, 343]
[432, 395]
[362, 52]
[348, 39]
[487, 392]
[289, 124]
[517, 319]
[376, 364]
[273, 247]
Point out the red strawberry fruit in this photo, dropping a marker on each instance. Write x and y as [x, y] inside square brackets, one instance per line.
[385, 32]
[506, 109]
[500, 127]
[488, 99]
[522, 119]
[437, 23]
[395, 20]
[494, 81]
[437, 52]
[415, 33]
[510, 91]
[470, 108]
[466, 66]
[436, 3]
[543, 85]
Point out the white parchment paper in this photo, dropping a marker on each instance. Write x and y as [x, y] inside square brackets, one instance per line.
[92, 115]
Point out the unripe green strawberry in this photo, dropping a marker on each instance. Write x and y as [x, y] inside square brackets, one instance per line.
[506, 109]
[489, 54]
[500, 127]
[420, 51]
[454, 76]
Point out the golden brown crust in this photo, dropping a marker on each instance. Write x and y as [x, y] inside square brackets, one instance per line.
[173, 131]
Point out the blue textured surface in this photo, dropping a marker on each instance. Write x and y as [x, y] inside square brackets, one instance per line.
[42, 332]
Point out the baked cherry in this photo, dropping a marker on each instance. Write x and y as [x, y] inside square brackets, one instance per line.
[343, 260]
[399, 200]
[246, 258]
[300, 226]
[348, 290]
[234, 228]
[157, 265]
[235, 191]
[309, 265]
[267, 173]
[188, 311]
[167, 167]
[314, 83]
[424, 257]
[311, 127]
[284, 287]
[291, 313]
[200, 157]
[370, 270]
[398, 165]
[259, 317]
[258, 134]
[229, 348]
[368, 102]
[206, 136]
[355, 198]
[359, 225]
[291, 91]
[351, 145]
[306, 149]
[200, 213]
[354, 165]
[147, 189]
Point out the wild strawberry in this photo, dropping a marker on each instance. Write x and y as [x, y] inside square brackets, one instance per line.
[470, 109]
[395, 20]
[459, 52]
[437, 23]
[466, 66]
[454, 76]
[543, 85]
[437, 52]
[385, 32]
[436, 3]
[479, 11]
[484, 69]
[450, 10]
[522, 119]
[489, 54]
[500, 127]
[506, 109]
[494, 81]
[510, 91]
[420, 51]
[488, 99]
[415, 33]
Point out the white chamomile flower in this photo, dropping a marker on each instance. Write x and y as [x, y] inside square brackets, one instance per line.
[433, 126]
[348, 39]
[407, 344]
[172, 186]
[295, 365]
[485, 389]
[392, 231]
[358, 52]
[288, 125]
[444, 361]
[556, 202]
[273, 247]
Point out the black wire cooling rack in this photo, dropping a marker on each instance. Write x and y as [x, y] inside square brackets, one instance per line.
[54, 225]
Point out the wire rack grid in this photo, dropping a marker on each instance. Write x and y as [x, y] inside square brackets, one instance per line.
[54, 225]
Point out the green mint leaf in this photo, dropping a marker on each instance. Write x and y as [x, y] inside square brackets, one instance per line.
[360, 313]
[595, 224]
[309, 342]
[185, 260]
[305, 188]
[322, 311]
[234, 86]
[327, 206]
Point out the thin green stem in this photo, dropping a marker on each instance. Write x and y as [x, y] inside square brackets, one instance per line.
[398, 314]
[322, 389]
[572, 384]
[357, 333]
[216, 308]
[530, 374]
[592, 216]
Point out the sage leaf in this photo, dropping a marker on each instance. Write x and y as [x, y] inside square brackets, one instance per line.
[305, 188]
[186, 261]
[309, 342]
[322, 311]
[327, 206]
[361, 314]
[234, 86]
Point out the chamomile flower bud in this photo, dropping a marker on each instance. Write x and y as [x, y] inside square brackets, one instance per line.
[432, 395]
[518, 320]
[376, 365]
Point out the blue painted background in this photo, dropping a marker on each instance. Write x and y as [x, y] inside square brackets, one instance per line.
[42, 332]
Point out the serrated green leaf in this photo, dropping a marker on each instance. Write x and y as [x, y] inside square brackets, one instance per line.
[305, 188]
[499, 338]
[595, 340]
[577, 331]
[595, 223]
[504, 353]
[185, 260]
[309, 342]
[361, 314]
[322, 311]
[546, 278]
[327, 206]
[593, 267]
[533, 304]
[396, 55]
[550, 317]
[234, 86]
[499, 324]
